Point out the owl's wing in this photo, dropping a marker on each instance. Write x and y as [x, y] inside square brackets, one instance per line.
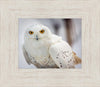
[26, 56]
[62, 55]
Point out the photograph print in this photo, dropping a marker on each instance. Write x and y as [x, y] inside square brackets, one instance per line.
[50, 43]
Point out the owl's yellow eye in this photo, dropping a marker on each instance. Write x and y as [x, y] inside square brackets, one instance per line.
[42, 31]
[31, 32]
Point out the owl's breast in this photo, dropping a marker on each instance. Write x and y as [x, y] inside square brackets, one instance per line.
[41, 55]
[38, 50]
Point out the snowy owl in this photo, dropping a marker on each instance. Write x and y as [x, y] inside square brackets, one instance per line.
[46, 50]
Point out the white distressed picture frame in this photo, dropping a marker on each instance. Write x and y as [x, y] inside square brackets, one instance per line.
[12, 76]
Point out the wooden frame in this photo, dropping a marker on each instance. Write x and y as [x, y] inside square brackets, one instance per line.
[11, 76]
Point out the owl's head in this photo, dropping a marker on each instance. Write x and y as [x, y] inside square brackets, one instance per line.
[37, 32]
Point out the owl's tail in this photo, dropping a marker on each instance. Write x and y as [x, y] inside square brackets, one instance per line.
[77, 60]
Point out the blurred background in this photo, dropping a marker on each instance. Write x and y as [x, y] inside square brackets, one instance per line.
[68, 29]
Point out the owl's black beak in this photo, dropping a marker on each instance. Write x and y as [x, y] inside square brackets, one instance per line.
[37, 37]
